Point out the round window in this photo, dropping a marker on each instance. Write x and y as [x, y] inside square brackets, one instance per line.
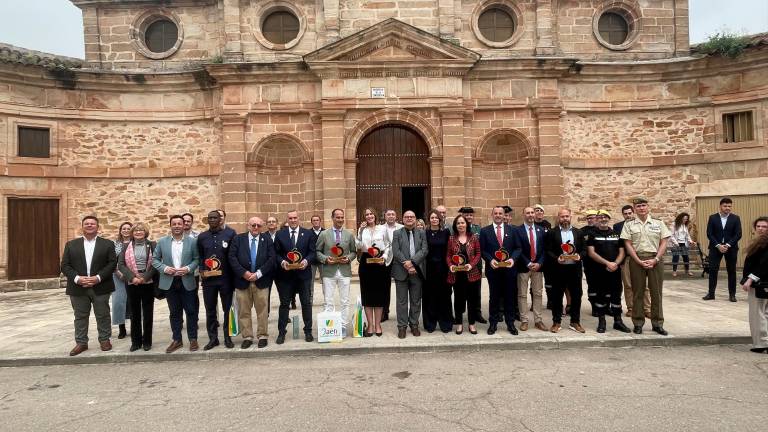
[280, 27]
[161, 36]
[496, 24]
[613, 28]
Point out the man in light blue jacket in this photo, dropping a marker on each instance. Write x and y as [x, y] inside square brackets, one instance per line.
[176, 259]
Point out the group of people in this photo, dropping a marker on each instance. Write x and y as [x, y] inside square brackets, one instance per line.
[437, 271]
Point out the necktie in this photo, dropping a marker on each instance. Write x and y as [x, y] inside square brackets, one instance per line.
[532, 241]
[253, 254]
[498, 234]
[293, 239]
[412, 246]
[338, 235]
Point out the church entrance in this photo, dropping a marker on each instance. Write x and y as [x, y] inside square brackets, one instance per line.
[393, 171]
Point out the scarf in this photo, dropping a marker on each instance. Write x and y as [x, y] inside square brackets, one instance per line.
[130, 259]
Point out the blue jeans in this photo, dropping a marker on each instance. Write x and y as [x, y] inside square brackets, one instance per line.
[119, 301]
[181, 300]
[680, 250]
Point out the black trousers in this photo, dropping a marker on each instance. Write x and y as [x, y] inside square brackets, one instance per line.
[502, 284]
[141, 299]
[566, 276]
[590, 270]
[436, 299]
[465, 298]
[287, 289]
[730, 266]
[608, 292]
[211, 296]
[388, 291]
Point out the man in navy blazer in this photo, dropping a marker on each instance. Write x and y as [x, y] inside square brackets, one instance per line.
[529, 269]
[252, 259]
[502, 281]
[724, 233]
[294, 281]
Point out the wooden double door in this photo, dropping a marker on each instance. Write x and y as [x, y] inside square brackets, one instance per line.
[393, 171]
[33, 238]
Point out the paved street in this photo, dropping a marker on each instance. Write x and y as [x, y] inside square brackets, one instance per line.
[713, 388]
[37, 329]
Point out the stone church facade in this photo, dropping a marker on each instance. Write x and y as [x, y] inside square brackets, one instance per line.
[259, 107]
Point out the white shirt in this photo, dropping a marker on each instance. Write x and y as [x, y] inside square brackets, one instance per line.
[724, 219]
[250, 239]
[89, 246]
[367, 237]
[496, 227]
[681, 235]
[177, 246]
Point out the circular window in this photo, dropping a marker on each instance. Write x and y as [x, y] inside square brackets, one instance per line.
[497, 23]
[157, 34]
[616, 26]
[280, 27]
[161, 36]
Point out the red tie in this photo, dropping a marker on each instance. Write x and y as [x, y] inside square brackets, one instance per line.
[498, 234]
[532, 242]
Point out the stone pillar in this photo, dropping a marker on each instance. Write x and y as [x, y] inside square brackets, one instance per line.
[233, 52]
[232, 180]
[91, 36]
[547, 113]
[454, 157]
[545, 44]
[682, 38]
[334, 183]
[445, 11]
[331, 16]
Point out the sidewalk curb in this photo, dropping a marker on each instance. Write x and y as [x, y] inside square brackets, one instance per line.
[505, 344]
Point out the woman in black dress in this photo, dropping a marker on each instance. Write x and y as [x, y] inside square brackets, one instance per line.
[436, 301]
[374, 276]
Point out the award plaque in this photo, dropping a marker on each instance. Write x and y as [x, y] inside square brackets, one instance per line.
[459, 263]
[375, 256]
[502, 256]
[337, 252]
[568, 252]
[294, 260]
[214, 267]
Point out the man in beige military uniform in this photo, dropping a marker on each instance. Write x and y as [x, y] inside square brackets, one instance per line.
[645, 242]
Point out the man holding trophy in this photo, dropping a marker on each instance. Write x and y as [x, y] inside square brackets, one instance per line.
[335, 251]
[565, 250]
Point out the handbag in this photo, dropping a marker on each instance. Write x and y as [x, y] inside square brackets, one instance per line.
[761, 289]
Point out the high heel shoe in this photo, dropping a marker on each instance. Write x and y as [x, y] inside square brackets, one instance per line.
[460, 330]
[473, 331]
[379, 334]
[366, 334]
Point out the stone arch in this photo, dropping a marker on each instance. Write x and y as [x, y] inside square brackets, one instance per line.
[522, 149]
[392, 116]
[279, 150]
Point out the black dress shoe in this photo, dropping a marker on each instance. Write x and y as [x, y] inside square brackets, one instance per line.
[228, 342]
[211, 344]
[147, 346]
[247, 344]
[262, 343]
[512, 329]
[759, 350]
[135, 347]
[732, 298]
[492, 329]
[481, 320]
[601, 325]
[708, 297]
[280, 339]
[620, 326]
[638, 330]
[122, 333]
[660, 330]
[308, 337]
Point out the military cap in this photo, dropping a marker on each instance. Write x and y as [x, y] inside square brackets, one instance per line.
[466, 210]
[507, 209]
[639, 200]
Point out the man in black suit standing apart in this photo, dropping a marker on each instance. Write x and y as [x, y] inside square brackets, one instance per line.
[724, 233]
[501, 274]
[565, 268]
[294, 280]
[252, 259]
[88, 263]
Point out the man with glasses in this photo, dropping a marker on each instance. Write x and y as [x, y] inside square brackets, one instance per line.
[252, 259]
[409, 248]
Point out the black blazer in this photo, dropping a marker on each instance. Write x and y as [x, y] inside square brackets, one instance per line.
[554, 241]
[717, 235]
[240, 260]
[305, 243]
[103, 264]
[489, 245]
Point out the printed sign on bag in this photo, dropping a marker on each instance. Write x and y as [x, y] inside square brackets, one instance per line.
[329, 327]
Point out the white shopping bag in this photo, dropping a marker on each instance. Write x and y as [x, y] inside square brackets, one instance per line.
[329, 327]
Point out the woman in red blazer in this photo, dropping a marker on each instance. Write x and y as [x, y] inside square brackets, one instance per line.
[463, 256]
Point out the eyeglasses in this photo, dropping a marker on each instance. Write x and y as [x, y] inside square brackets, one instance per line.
[255, 225]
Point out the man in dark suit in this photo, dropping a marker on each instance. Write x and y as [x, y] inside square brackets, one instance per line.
[529, 269]
[252, 259]
[409, 249]
[88, 263]
[294, 280]
[724, 233]
[501, 274]
[565, 271]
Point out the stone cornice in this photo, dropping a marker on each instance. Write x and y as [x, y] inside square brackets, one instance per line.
[241, 73]
[48, 171]
[672, 160]
[83, 114]
[128, 3]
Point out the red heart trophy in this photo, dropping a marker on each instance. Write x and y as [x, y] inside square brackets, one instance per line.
[502, 256]
[375, 256]
[336, 253]
[459, 263]
[294, 260]
[568, 251]
[214, 267]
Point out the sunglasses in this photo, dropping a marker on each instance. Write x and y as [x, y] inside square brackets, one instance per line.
[255, 225]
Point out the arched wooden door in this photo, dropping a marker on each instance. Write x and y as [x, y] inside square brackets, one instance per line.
[393, 171]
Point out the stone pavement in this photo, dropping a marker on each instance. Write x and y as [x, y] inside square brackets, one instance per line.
[37, 329]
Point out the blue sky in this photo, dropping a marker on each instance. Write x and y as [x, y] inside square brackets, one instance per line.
[55, 26]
